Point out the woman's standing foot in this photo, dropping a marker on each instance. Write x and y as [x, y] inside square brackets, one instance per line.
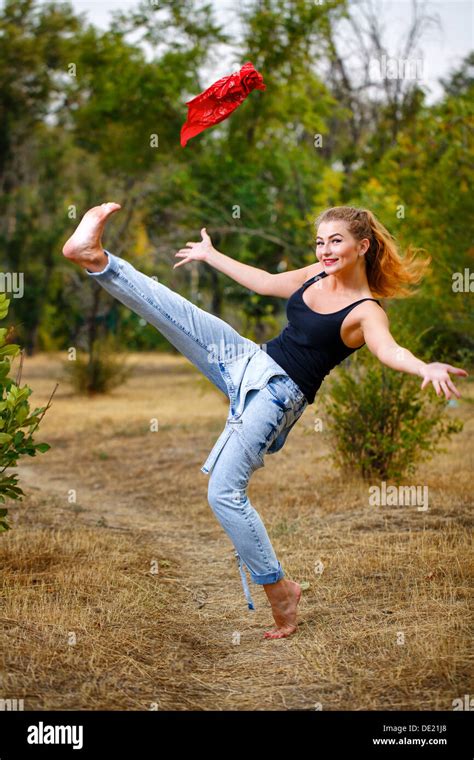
[284, 597]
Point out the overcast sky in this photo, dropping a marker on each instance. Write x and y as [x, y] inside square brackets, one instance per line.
[442, 48]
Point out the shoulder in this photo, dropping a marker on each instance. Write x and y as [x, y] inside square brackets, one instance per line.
[284, 284]
[306, 273]
[371, 312]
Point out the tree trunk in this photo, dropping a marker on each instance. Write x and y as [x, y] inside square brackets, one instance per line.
[216, 301]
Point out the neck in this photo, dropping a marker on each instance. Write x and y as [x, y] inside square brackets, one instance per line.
[350, 279]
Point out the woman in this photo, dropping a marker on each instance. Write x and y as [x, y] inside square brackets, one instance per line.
[329, 317]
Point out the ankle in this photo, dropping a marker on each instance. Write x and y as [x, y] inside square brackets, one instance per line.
[279, 591]
[96, 262]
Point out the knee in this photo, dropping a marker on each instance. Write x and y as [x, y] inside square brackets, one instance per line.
[223, 494]
[216, 491]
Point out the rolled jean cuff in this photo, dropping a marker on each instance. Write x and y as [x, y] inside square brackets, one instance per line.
[268, 577]
[111, 269]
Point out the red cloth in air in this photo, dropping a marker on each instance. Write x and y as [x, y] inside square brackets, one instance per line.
[219, 100]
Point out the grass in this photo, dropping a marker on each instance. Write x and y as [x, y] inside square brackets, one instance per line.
[120, 589]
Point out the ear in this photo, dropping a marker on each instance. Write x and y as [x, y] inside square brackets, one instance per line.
[364, 246]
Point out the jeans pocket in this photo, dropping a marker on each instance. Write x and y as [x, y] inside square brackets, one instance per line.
[279, 393]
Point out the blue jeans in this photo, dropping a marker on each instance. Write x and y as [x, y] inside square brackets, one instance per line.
[264, 404]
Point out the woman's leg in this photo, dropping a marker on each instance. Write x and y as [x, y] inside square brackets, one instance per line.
[205, 340]
[228, 498]
[201, 337]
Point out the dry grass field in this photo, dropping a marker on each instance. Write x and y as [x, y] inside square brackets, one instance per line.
[120, 589]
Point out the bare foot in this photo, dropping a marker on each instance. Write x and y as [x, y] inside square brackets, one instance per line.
[84, 247]
[284, 597]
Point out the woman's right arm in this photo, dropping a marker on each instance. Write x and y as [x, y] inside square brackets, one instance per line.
[281, 285]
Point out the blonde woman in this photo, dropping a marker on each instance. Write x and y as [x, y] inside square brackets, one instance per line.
[332, 311]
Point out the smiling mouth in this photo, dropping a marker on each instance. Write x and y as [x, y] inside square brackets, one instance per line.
[330, 261]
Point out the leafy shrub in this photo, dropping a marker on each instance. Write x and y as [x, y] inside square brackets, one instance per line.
[99, 371]
[15, 419]
[380, 422]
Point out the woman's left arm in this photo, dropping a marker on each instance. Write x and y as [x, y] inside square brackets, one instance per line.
[380, 342]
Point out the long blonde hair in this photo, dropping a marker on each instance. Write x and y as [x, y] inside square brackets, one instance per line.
[388, 273]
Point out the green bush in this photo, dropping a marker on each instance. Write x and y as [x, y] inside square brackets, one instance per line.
[99, 371]
[380, 422]
[17, 422]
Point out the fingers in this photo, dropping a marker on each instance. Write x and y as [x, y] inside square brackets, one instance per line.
[183, 254]
[456, 370]
[180, 263]
[445, 389]
[204, 236]
[445, 386]
[451, 385]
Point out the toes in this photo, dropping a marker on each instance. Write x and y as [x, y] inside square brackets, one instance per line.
[279, 633]
[105, 208]
[102, 212]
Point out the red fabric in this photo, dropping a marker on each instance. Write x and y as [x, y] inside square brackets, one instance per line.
[219, 100]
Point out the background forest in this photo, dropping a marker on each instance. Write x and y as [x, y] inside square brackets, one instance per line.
[88, 115]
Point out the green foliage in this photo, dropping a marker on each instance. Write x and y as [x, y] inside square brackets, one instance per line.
[99, 371]
[420, 188]
[17, 421]
[380, 422]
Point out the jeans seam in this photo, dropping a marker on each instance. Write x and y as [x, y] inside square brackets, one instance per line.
[230, 386]
[257, 540]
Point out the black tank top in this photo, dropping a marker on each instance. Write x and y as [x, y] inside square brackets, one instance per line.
[310, 345]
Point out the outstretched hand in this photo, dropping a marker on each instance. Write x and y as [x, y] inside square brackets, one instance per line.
[196, 251]
[438, 374]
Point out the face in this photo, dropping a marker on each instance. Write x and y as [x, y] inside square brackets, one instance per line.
[336, 248]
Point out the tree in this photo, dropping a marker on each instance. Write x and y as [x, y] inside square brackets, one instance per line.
[420, 187]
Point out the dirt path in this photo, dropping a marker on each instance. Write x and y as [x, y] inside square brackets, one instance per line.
[208, 604]
[172, 534]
